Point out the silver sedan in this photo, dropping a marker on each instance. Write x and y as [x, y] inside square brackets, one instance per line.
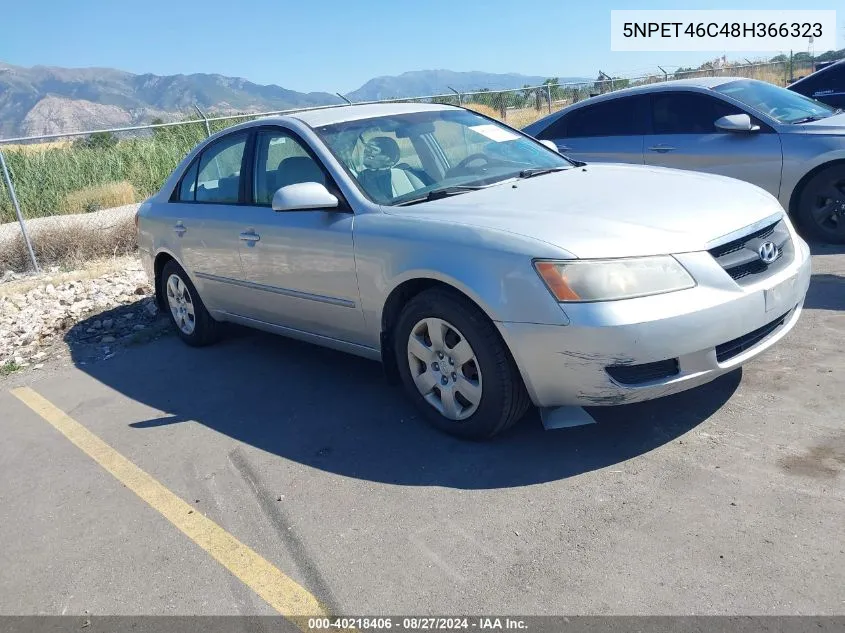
[483, 269]
[788, 144]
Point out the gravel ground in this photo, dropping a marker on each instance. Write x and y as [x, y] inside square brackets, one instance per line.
[36, 312]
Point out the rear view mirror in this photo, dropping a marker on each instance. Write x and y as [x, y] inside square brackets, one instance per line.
[551, 146]
[736, 123]
[302, 196]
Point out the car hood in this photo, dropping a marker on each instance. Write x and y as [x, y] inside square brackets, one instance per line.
[831, 125]
[610, 210]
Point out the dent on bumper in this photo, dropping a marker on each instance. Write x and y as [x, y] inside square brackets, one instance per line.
[565, 365]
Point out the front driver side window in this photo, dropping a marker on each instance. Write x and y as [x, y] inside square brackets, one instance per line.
[688, 113]
[281, 160]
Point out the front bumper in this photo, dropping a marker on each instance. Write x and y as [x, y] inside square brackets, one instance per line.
[700, 333]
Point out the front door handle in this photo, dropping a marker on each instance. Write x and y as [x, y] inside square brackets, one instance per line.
[250, 237]
[179, 228]
[662, 149]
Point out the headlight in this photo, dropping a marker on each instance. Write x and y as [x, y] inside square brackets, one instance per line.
[609, 279]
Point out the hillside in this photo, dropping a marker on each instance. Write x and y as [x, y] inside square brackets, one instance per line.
[41, 100]
[46, 100]
[431, 82]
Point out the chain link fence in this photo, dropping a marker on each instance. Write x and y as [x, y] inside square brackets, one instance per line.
[87, 171]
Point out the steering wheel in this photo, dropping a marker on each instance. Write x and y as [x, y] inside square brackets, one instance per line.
[464, 164]
[777, 112]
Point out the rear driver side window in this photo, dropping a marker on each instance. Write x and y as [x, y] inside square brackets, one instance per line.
[625, 116]
[219, 177]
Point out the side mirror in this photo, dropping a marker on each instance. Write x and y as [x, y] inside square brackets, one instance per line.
[551, 146]
[736, 123]
[302, 196]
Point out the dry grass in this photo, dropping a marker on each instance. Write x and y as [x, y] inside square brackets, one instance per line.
[483, 109]
[107, 196]
[36, 147]
[520, 117]
[70, 245]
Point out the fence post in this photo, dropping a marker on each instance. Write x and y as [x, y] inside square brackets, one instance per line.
[460, 96]
[549, 96]
[17, 206]
[204, 118]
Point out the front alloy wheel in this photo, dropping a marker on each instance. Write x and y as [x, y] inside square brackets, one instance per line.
[444, 368]
[455, 366]
[821, 206]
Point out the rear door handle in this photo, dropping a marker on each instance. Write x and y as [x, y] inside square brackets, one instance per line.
[179, 228]
[564, 148]
[250, 237]
[662, 149]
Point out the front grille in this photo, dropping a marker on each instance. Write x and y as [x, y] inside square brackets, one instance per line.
[638, 374]
[741, 260]
[727, 351]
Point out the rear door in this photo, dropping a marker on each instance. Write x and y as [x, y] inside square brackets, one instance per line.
[205, 209]
[606, 131]
[684, 136]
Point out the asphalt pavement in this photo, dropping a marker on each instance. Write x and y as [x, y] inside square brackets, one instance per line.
[726, 499]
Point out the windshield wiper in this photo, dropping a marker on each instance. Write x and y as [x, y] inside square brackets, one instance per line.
[437, 194]
[809, 119]
[539, 171]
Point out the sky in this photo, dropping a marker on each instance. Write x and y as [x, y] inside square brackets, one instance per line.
[337, 45]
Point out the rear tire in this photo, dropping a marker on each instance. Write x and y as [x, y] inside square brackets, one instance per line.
[820, 211]
[188, 314]
[455, 366]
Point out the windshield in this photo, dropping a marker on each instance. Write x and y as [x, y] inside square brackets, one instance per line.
[402, 157]
[779, 103]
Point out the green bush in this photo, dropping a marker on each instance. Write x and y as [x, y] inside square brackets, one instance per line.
[44, 179]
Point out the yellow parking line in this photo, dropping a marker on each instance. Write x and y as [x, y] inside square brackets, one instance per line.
[281, 592]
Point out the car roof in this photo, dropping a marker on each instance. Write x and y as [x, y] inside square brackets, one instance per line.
[341, 114]
[659, 86]
[699, 83]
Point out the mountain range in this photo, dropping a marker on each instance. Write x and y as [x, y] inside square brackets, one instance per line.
[47, 100]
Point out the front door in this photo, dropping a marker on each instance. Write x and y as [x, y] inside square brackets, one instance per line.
[301, 264]
[685, 137]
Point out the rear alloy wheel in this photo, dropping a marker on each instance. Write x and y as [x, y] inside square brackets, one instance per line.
[193, 323]
[821, 206]
[455, 366]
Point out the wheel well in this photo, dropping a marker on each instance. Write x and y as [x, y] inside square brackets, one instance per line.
[158, 266]
[396, 300]
[796, 192]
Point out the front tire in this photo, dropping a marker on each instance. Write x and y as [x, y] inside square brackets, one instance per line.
[455, 366]
[821, 206]
[188, 314]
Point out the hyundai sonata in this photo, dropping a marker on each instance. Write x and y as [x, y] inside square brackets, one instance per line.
[483, 269]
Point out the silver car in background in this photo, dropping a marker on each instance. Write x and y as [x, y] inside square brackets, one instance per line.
[483, 269]
[788, 144]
